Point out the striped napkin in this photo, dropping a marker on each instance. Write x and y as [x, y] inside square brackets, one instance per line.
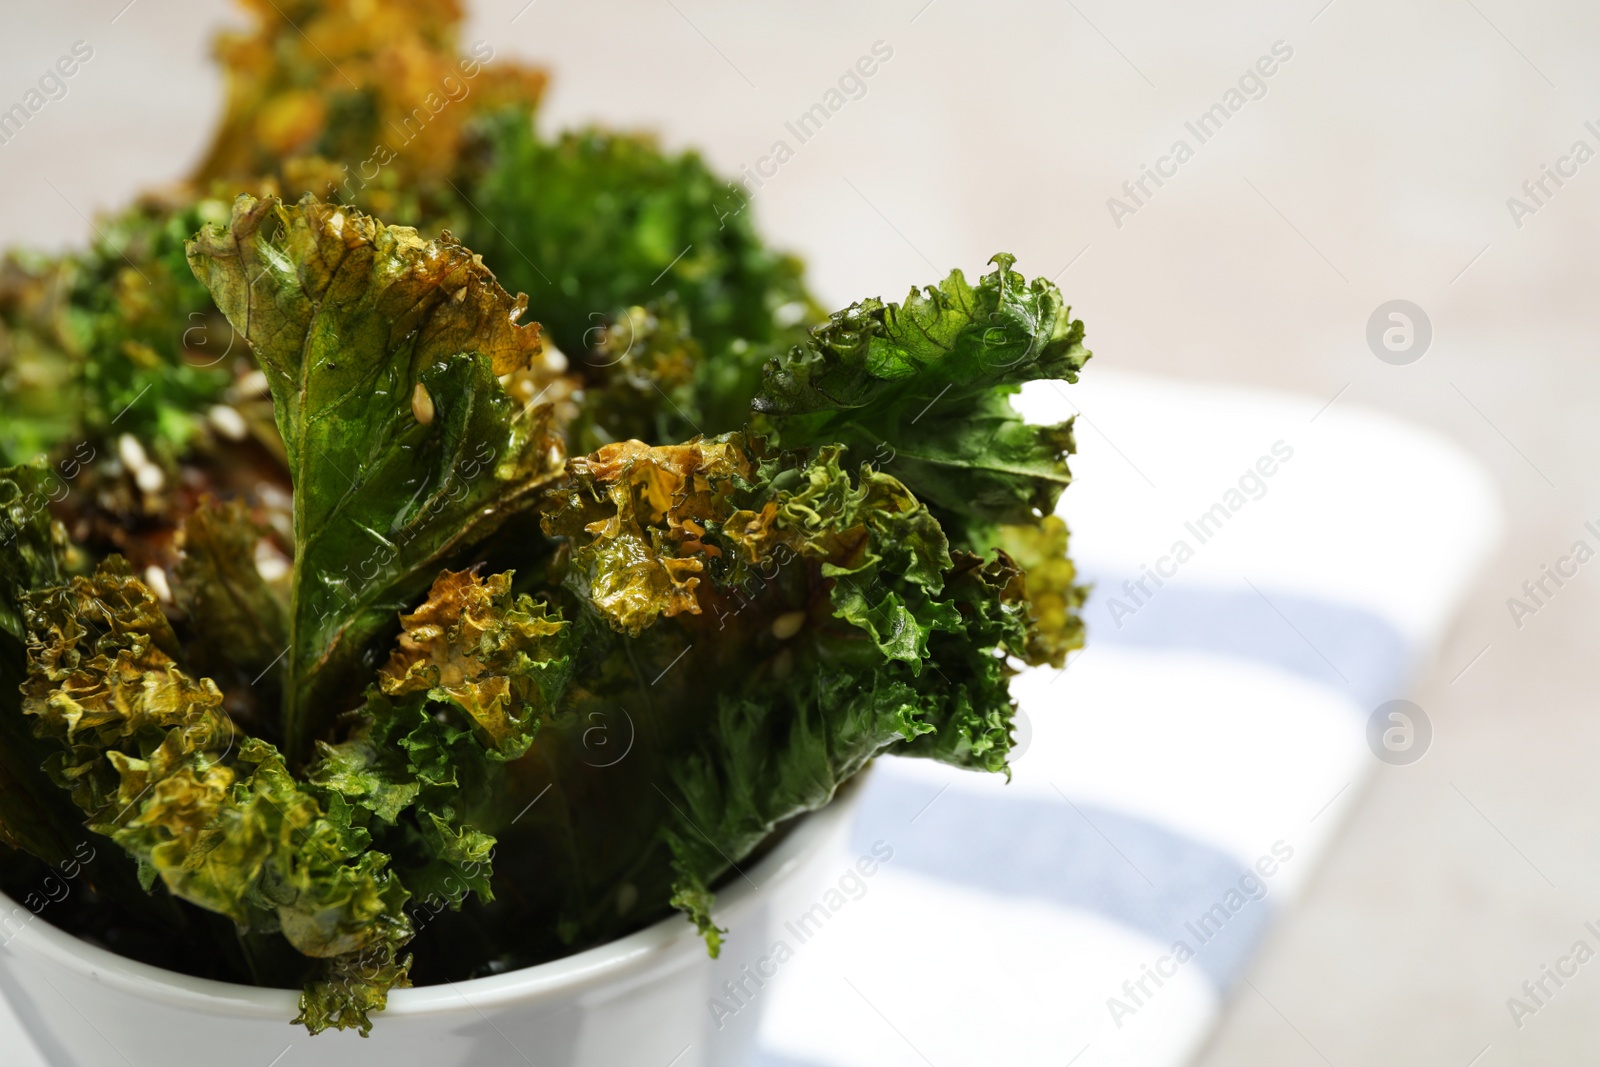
[1270, 572]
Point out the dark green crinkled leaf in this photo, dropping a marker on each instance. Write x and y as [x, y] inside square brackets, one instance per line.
[592, 221]
[921, 389]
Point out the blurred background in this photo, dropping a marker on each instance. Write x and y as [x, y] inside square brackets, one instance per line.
[1375, 163]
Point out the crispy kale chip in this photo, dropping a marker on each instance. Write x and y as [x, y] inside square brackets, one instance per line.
[372, 103]
[154, 762]
[805, 619]
[383, 352]
[634, 517]
[118, 339]
[923, 390]
[491, 656]
[32, 551]
[329, 861]
[592, 223]
[475, 674]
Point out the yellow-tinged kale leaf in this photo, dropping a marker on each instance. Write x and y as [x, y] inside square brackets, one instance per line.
[635, 515]
[346, 91]
[349, 988]
[476, 673]
[474, 645]
[383, 352]
[154, 762]
[1054, 597]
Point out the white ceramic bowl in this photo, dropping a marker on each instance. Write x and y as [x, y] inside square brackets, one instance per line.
[643, 999]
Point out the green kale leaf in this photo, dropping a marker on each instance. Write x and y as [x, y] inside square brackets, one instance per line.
[384, 353]
[117, 339]
[32, 548]
[154, 761]
[823, 612]
[923, 388]
[591, 221]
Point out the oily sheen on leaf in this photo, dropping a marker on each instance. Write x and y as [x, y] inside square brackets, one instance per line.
[383, 352]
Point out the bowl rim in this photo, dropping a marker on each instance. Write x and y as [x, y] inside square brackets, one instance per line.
[552, 980]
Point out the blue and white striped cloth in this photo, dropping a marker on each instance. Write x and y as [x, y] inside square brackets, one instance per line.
[1289, 568]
